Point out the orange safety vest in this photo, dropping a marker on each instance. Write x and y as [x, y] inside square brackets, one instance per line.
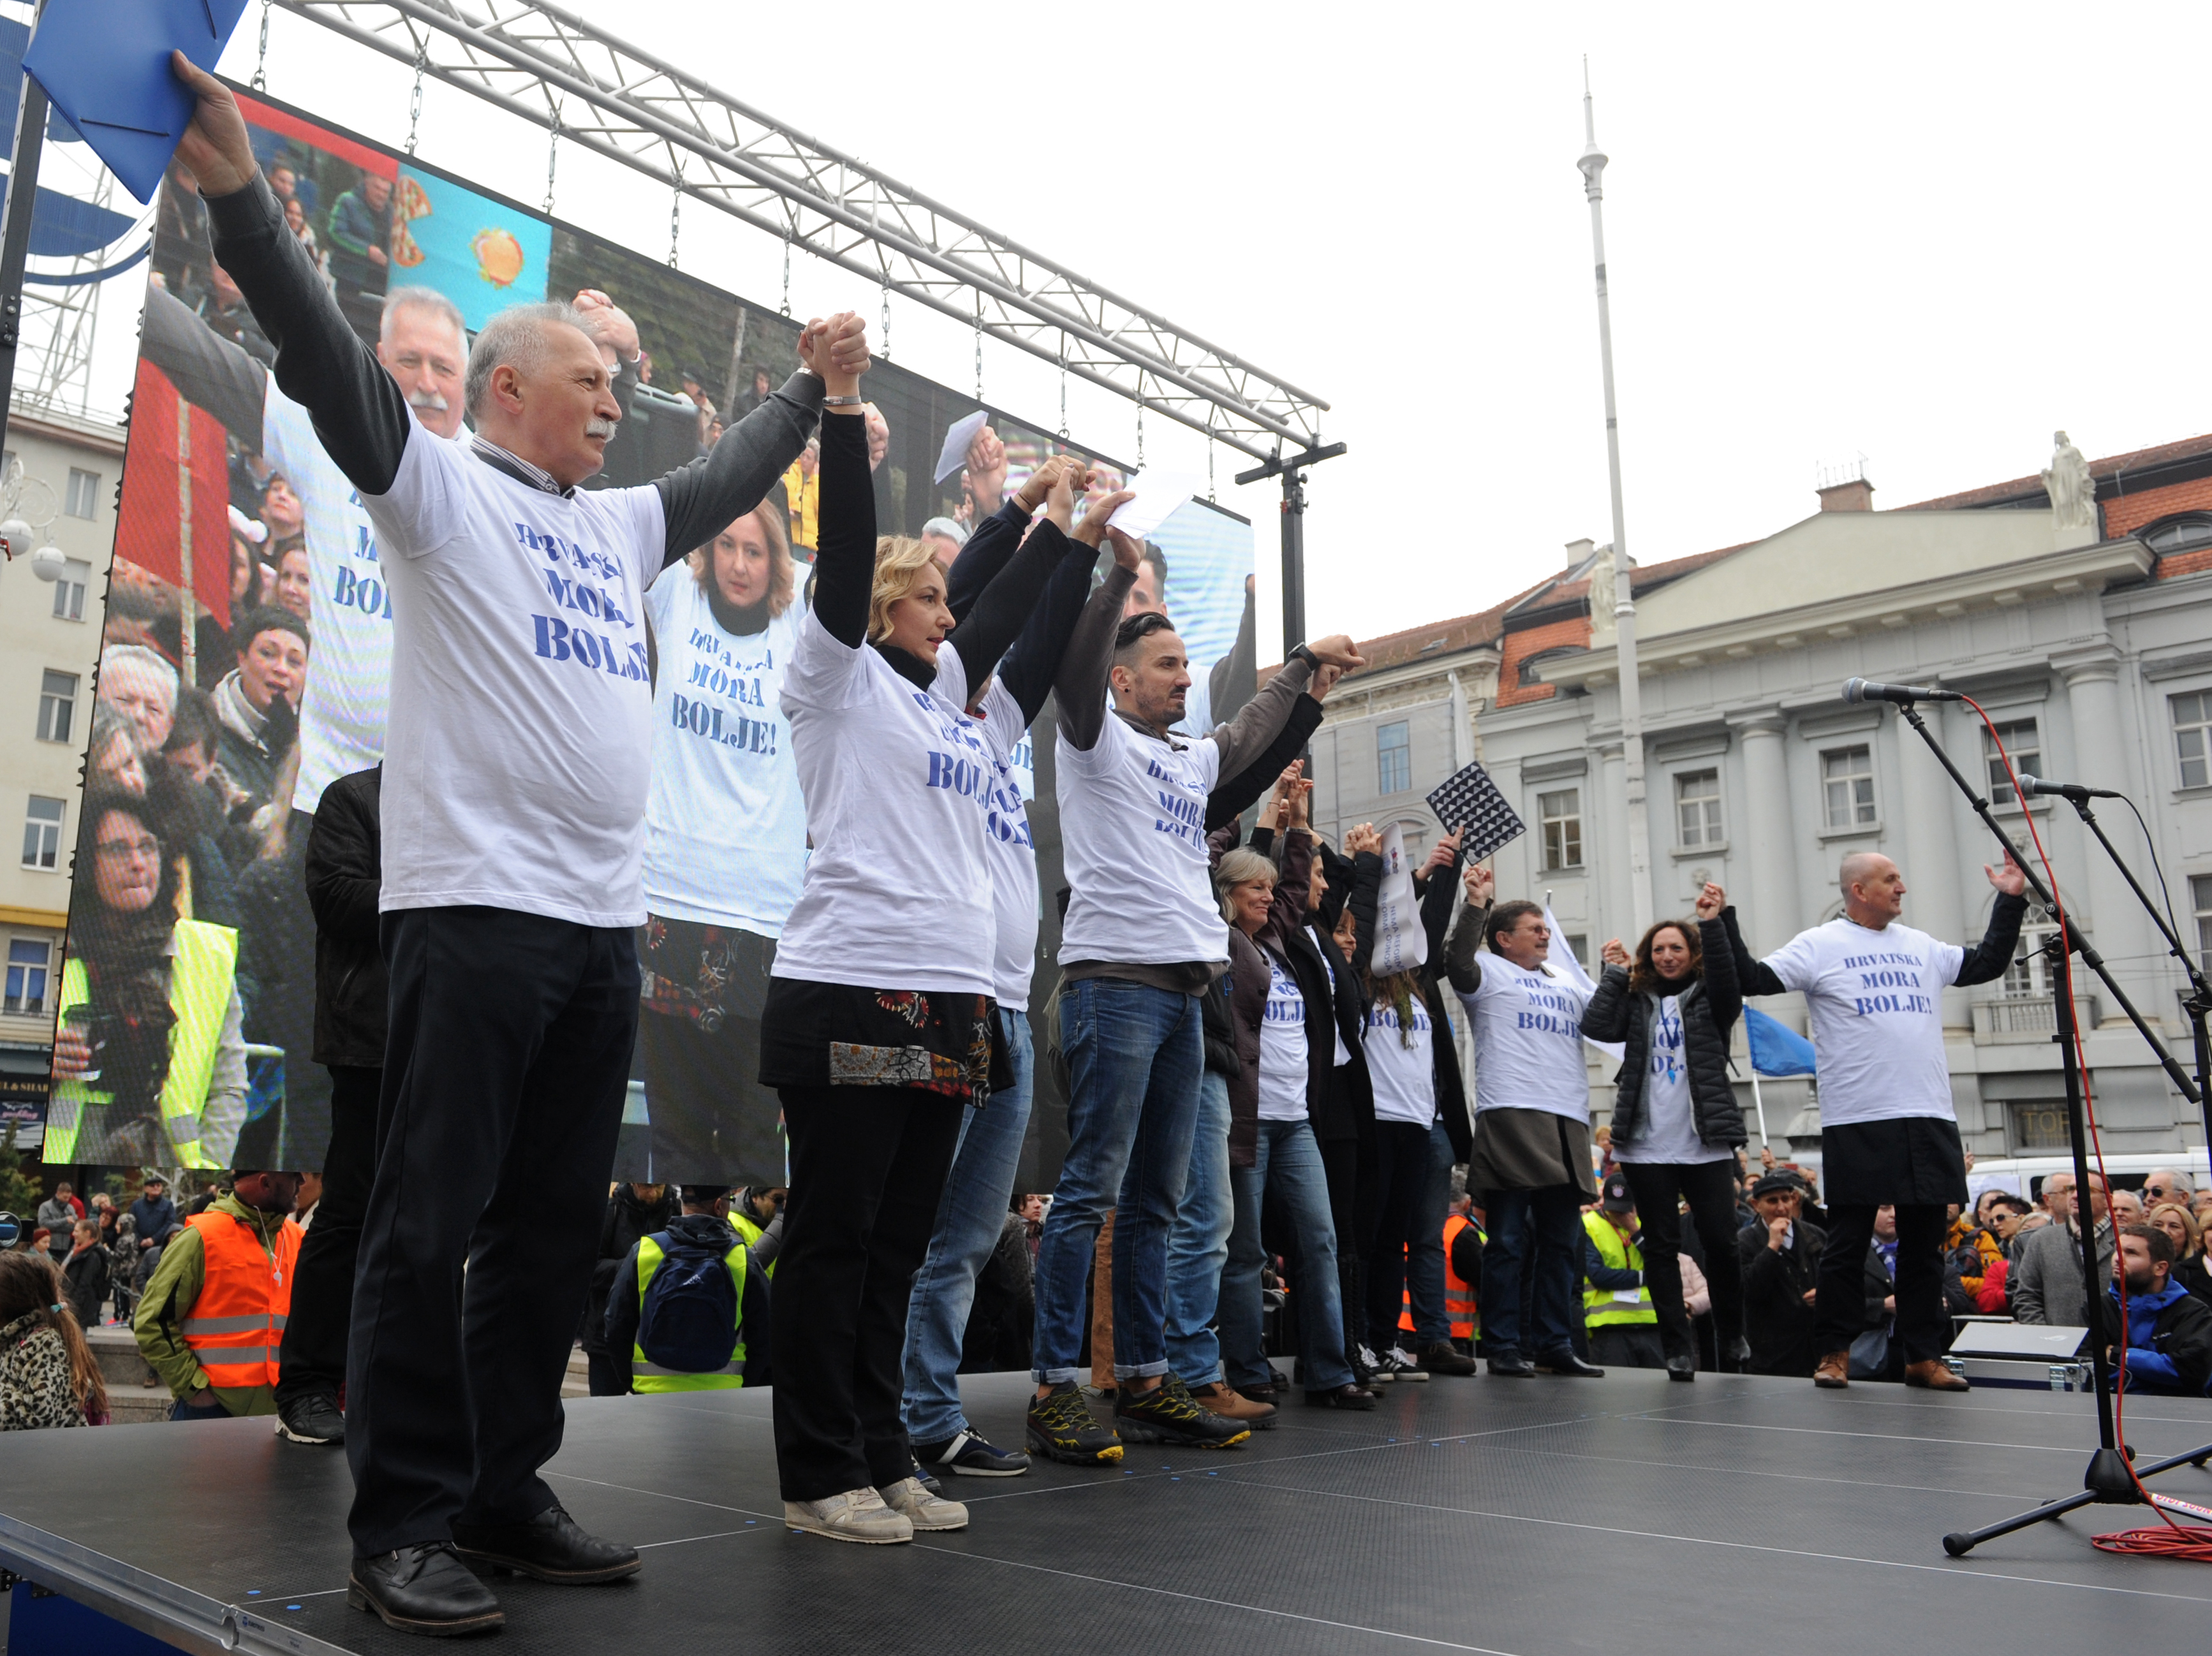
[1459, 1297]
[236, 1326]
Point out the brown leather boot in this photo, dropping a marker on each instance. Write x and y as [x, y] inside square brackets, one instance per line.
[1225, 1400]
[1834, 1373]
[1936, 1376]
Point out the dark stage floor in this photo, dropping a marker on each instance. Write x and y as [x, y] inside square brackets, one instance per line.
[1530, 1517]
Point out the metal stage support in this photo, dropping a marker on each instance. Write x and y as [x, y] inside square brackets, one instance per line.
[549, 67]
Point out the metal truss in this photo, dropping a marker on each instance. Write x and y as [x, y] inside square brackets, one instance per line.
[551, 68]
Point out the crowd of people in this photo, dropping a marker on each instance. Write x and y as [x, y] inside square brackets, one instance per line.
[1271, 1144]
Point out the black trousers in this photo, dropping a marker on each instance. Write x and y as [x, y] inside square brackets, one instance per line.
[1660, 1188]
[1340, 1166]
[1627, 1345]
[868, 1166]
[510, 1046]
[1923, 1327]
[1402, 1173]
[314, 1355]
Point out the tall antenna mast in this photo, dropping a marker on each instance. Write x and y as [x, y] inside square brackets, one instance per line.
[1592, 167]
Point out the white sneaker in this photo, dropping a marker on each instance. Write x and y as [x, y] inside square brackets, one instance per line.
[856, 1516]
[911, 1498]
[1404, 1365]
[1378, 1372]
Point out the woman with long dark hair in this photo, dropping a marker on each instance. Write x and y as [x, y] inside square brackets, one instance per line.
[1676, 1123]
[48, 1376]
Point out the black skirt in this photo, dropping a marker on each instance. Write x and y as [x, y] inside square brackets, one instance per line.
[830, 1034]
[1916, 1160]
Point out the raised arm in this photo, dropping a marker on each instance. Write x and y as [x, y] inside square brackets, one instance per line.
[1439, 894]
[1080, 684]
[358, 413]
[1240, 669]
[1724, 989]
[1605, 1018]
[1288, 911]
[1363, 898]
[735, 476]
[1460, 962]
[1010, 600]
[209, 371]
[1233, 798]
[995, 538]
[1253, 732]
[1752, 977]
[1988, 962]
[845, 560]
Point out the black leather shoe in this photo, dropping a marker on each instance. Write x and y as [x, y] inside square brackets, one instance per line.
[1738, 1360]
[551, 1547]
[315, 1418]
[1682, 1369]
[1508, 1364]
[424, 1589]
[1346, 1396]
[1567, 1363]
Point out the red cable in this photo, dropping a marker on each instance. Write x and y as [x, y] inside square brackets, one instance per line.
[2176, 1540]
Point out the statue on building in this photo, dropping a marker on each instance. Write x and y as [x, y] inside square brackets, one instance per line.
[1604, 594]
[2073, 493]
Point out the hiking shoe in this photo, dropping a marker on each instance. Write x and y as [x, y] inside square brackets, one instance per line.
[967, 1455]
[1400, 1366]
[1833, 1372]
[1232, 1404]
[1370, 1368]
[1169, 1414]
[315, 1418]
[856, 1516]
[1442, 1358]
[922, 1509]
[1061, 1428]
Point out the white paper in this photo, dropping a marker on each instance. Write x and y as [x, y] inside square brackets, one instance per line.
[1629, 1295]
[1157, 495]
[1400, 941]
[956, 439]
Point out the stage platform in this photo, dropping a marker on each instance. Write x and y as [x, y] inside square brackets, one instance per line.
[1532, 1517]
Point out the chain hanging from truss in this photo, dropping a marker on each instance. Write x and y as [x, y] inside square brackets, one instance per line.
[676, 217]
[1141, 421]
[260, 83]
[885, 353]
[552, 157]
[787, 276]
[1209, 447]
[415, 99]
[1063, 388]
[979, 347]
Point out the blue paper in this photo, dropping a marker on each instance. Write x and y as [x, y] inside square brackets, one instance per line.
[105, 64]
[1776, 1048]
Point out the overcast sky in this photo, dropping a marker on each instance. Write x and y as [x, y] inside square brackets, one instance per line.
[1930, 234]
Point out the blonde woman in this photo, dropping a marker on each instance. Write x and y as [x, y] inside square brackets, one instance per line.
[2189, 1269]
[878, 1028]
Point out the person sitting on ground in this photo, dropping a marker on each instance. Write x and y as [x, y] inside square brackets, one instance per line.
[1780, 1256]
[211, 1324]
[2167, 1346]
[668, 1309]
[48, 1376]
[2188, 1237]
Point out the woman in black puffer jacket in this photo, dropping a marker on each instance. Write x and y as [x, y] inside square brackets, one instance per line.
[1675, 1119]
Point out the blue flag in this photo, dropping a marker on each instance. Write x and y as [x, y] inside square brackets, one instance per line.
[1776, 1048]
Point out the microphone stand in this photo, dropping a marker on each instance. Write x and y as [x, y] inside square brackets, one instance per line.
[2108, 1480]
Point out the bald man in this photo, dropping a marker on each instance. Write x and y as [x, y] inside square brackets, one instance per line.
[1888, 1134]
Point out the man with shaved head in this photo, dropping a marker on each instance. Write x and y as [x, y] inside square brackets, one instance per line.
[1888, 1134]
[512, 826]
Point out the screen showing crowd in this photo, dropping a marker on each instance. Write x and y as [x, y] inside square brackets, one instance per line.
[247, 656]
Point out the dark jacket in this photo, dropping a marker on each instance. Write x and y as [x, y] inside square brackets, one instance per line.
[626, 1219]
[1245, 984]
[1339, 1099]
[1710, 1007]
[153, 1218]
[1776, 1321]
[619, 1329]
[1439, 899]
[344, 875]
[86, 1273]
[2169, 1340]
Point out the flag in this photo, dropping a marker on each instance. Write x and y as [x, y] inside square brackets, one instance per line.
[1561, 959]
[1401, 942]
[163, 469]
[1776, 1048]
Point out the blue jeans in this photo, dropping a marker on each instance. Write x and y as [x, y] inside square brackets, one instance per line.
[1134, 1055]
[1554, 1217]
[1199, 1242]
[1289, 1160]
[1425, 1253]
[970, 1217]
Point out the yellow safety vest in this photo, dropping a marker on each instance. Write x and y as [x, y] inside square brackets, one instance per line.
[202, 973]
[645, 1376]
[1600, 1309]
[752, 1233]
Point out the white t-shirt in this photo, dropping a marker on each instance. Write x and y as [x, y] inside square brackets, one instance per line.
[897, 781]
[1282, 1046]
[725, 821]
[1876, 1000]
[1132, 840]
[343, 708]
[1670, 1116]
[516, 755]
[1404, 1072]
[1529, 1040]
[1008, 848]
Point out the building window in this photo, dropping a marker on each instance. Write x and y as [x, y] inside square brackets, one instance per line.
[2022, 745]
[83, 494]
[1847, 775]
[2192, 737]
[2028, 977]
[2183, 534]
[1561, 816]
[57, 705]
[2200, 899]
[1697, 807]
[2039, 1127]
[1577, 945]
[42, 833]
[29, 963]
[69, 590]
[1394, 758]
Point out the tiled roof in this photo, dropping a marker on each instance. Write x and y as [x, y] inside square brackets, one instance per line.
[2030, 487]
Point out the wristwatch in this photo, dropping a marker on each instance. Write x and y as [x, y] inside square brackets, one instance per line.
[841, 401]
[1311, 660]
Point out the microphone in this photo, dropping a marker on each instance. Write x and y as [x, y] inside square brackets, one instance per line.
[1865, 690]
[2065, 790]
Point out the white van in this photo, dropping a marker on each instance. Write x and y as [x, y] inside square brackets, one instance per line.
[2023, 1175]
